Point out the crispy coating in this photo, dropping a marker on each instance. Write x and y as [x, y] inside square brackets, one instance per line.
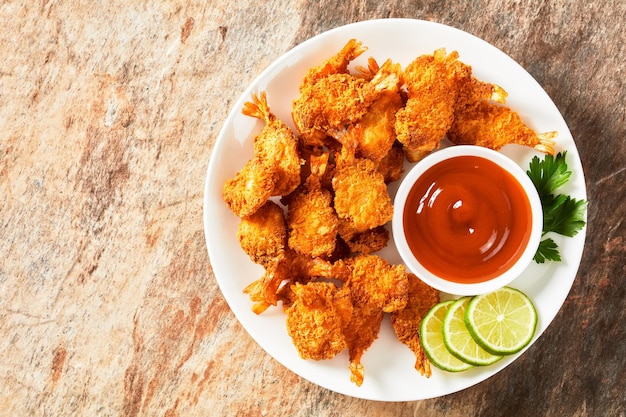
[276, 145]
[317, 318]
[273, 170]
[361, 195]
[406, 322]
[370, 241]
[308, 270]
[332, 103]
[392, 164]
[472, 90]
[360, 333]
[376, 287]
[373, 281]
[432, 83]
[250, 188]
[337, 64]
[287, 269]
[312, 221]
[263, 234]
[493, 126]
[374, 133]
[338, 100]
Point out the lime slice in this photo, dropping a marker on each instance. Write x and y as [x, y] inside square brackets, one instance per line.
[458, 339]
[432, 340]
[502, 322]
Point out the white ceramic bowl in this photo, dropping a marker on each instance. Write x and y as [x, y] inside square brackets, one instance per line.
[506, 276]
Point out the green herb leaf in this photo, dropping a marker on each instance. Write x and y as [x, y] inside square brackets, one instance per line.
[562, 214]
[565, 217]
[549, 174]
[548, 250]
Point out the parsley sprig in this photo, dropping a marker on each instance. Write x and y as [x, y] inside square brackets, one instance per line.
[562, 214]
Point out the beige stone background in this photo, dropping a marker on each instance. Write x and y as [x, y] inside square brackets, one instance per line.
[108, 115]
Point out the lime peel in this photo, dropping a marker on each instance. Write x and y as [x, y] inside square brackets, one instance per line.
[431, 337]
[458, 339]
[502, 322]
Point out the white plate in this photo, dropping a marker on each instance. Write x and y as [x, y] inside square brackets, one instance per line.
[389, 372]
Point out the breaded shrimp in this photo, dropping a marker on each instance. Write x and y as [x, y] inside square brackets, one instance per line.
[287, 269]
[335, 102]
[432, 83]
[263, 292]
[361, 195]
[360, 333]
[337, 64]
[406, 322]
[314, 268]
[311, 219]
[375, 282]
[374, 133]
[338, 100]
[263, 234]
[317, 318]
[375, 287]
[276, 145]
[250, 188]
[493, 126]
[473, 90]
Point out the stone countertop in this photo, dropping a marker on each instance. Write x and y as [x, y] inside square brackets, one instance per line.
[108, 116]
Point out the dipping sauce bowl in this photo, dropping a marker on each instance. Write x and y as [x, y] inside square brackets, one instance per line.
[467, 220]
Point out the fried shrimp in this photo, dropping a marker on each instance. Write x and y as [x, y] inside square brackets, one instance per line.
[374, 133]
[360, 333]
[263, 234]
[287, 269]
[375, 282]
[338, 100]
[473, 90]
[370, 241]
[376, 287]
[432, 83]
[361, 195]
[311, 219]
[337, 64]
[274, 169]
[317, 318]
[276, 145]
[250, 188]
[406, 321]
[481, 118]
[493, 126]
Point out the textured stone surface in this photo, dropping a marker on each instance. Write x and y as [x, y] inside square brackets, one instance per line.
[108, 114]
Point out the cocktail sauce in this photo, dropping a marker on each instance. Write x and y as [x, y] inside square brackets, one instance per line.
[467, 220]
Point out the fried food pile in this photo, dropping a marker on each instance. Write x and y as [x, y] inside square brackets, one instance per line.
[314, 203]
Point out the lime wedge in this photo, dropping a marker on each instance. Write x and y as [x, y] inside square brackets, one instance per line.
[432, 340]
[458, 339]
[502, 322]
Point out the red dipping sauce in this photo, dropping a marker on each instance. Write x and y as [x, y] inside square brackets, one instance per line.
[467, 220]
